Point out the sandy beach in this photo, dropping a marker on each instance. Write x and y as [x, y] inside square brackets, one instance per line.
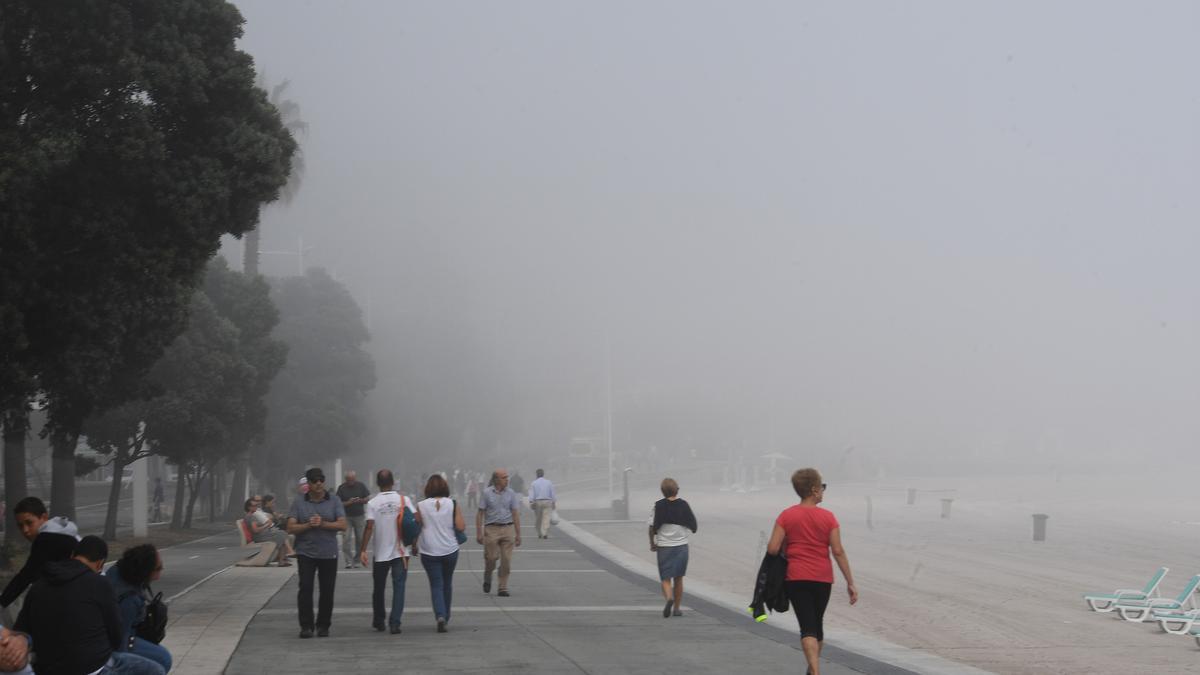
[973, 588]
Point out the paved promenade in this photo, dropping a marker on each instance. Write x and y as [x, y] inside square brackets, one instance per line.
[571, 610]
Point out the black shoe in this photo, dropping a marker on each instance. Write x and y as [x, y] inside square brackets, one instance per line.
[323, 632]
[378, 625]
[395, 629]
[442, 625]
[667, 609]
[487, 585]
[503, 593]
[306, 632]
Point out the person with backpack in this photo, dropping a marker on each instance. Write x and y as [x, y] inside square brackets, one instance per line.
[382, 537]
[143, 615]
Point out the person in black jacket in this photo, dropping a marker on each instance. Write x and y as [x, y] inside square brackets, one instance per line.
[669, 523]
[53, 539]
[71, 615]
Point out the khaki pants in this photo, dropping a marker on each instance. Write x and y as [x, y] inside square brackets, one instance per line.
[542, 509]
[498, 543]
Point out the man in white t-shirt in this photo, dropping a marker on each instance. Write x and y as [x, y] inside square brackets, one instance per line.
[383, 540]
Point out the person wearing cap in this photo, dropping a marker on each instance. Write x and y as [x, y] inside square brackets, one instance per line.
[316, 519]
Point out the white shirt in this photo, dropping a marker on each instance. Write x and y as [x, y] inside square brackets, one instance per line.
[437, 527]
[541, 488]
[669, 534]
[384, 508]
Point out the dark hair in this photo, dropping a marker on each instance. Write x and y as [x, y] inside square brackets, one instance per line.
[436, 487]
[249, 502]
[31, 505]
[137, 564]
[540, 473]
[268, 498]
[91, 548]
[384, 478]
[314, 474]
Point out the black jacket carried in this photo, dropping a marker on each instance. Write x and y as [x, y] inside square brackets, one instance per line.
[47, 547]
[71, 613]
[674, 512]
[769, 589]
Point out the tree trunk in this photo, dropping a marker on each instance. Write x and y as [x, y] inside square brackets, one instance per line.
[250, 253]
[177, 512]
[62, 476]
[16, 425]
[191, 506]
[114, 498]
[237, 498]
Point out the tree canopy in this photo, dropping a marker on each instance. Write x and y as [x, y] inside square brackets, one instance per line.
[316, 402]
[132, 137]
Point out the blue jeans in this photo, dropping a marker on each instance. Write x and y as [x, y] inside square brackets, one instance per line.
[379, 574]
[128, 663]
[156, 653]
[440, 570]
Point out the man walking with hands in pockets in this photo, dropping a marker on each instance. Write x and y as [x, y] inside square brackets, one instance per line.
[315, 519]
[498, 528]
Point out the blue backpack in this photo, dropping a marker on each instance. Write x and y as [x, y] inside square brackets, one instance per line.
[407, 523]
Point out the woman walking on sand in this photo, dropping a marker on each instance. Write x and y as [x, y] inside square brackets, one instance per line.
[669, 523]
[807, 534]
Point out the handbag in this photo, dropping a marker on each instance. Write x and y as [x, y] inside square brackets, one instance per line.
[154, 626]
[459, 535]
[407, 523]
[554, 517]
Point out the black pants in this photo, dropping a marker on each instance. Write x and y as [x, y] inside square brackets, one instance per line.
[325, 569]
[809, 600]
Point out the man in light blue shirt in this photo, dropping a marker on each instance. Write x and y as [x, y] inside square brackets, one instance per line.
[543, 502]
[498, 528]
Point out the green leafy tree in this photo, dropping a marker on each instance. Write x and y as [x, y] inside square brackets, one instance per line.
[230, 330]
[132, 138]
[316, 403]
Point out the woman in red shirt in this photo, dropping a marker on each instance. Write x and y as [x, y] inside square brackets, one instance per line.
[806, 534]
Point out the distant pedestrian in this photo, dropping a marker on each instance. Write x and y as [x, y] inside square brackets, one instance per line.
[354, 499]
[498, 528]
[130, 578]
[159, 498]
[518, 483]
[316, 519]
[441, 520]
[811, 533]
[669, 522]
[473, 486]
[53, 539]
[391, 558]
[544, 502]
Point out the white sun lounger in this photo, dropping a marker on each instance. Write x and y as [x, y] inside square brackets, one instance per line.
[1175, 621]
[1140, 610]
[1104, 602]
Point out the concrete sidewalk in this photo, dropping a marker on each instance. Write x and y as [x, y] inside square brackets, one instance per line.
[570, 611]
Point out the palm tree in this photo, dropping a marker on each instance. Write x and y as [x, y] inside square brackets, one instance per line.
[289, 114]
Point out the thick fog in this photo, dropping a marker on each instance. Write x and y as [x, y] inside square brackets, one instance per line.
[937, 230]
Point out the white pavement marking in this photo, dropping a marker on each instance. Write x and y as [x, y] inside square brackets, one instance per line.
[193, 557]
[487, 609]
[196, 585]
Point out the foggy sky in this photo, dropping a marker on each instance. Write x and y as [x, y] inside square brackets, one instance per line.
[915, 229]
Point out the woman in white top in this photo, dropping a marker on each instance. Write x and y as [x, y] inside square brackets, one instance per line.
[440, 517]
